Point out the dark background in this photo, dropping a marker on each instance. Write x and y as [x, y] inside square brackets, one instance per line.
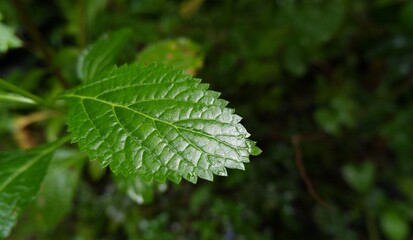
[323, 86]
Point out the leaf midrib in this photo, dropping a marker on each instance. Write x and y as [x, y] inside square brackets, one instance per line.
[22, 169]
[39, 153]
[154, 119]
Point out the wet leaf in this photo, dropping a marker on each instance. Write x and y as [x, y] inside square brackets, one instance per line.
[157, 122]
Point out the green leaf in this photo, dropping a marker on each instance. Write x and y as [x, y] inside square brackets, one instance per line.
[7, 38]
[57, 190]
[157, 122]
[360, 177]
[394, 225]
[102, 55]
[21, 173]
[15, 98]
[137, 189]
[181, 53]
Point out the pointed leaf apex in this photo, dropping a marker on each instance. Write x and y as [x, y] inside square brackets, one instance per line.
[157, 122]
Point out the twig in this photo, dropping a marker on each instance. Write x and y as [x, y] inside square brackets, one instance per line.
[371, 225]
[34, 33]
[8, 86]
[295, 140]
[403, 87]
[26, 138]
[82, 36]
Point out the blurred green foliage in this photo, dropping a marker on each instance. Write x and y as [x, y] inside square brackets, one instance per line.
[7, 38]
[181, 53]
[336, 73]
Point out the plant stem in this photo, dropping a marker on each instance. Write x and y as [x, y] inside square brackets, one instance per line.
[296, 140]
[82, 35]
[24, 136]
[371, 226]
[53, 146]
[8, 86]
[60, 142]
[39, 41]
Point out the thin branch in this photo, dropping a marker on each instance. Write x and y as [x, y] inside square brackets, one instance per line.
[26, 138]
[35, 35]
[371, 225]
[8, 86]
[296, 140]
[403, 87]
[82, 35]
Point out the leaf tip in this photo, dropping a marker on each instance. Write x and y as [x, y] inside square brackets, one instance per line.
[255, 151]
[191, 177]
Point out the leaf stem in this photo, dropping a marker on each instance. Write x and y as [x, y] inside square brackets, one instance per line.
[59, 143]
[36, 36]
[8, 86]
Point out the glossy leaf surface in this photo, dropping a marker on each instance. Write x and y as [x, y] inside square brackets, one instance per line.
[102, 54]
[21, 174]
[157, 122]
[14, 98]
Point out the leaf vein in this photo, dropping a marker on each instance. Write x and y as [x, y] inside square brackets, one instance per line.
[156, 119]
[131, 136]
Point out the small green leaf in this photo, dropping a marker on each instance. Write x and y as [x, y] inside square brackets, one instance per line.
[360, 177]
[7, 38]
[180, 53]
[256, 151]
[102, 55]
[21, 173]
[157, 122]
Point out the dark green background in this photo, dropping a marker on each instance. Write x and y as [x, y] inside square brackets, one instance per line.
[322, 85]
